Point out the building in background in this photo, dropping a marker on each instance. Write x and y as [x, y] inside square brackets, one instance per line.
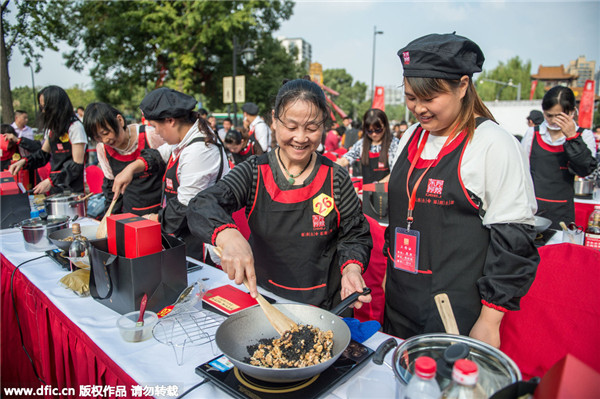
[394, 95]
[304, 49]
[583, 69]
[551, 76]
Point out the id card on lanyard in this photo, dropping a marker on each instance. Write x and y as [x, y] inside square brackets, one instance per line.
[407, 241]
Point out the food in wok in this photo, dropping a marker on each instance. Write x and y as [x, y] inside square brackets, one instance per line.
[300, 347]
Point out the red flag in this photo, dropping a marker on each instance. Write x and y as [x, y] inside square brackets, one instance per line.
[586, 105]
[533, 87]
[379, 98]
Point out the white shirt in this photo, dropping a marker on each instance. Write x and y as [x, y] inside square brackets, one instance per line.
[494, 168]
[76, 133]
[262, 132]
[587, 136]
[198, 166]
[26, 132]
[153, 138]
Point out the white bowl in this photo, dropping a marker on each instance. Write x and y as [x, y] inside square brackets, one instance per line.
[130, 332]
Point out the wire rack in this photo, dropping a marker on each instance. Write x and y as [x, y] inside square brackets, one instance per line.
[193, 328]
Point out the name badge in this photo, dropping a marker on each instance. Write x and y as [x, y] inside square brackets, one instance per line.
[406, 250]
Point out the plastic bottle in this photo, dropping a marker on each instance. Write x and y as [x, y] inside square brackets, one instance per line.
[79, 249]
[423, 385]
[592, 233]
[464, 382]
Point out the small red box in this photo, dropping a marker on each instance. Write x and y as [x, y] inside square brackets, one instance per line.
[8, 185]
[569, 378]
[133, 236]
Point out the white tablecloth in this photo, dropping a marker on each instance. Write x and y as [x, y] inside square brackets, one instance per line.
[150, 362]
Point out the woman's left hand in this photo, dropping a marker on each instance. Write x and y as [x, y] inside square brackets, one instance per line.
[566, 124]
[487, 326]
[352, 282]
[42, 187]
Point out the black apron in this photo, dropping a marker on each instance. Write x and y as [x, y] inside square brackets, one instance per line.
[194, 247]
[143, 194]
[453, 244]
[62, 152]
[245, 153]
[552, 181]
[294, 237]
[376, 170]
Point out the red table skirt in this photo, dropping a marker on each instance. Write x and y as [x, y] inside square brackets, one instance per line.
[63, 355]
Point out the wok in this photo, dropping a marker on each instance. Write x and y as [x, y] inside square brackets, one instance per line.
[541, 224]
[248, 326]
[57, 237]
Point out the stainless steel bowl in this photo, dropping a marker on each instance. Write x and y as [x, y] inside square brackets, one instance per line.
[583, 187]
[36, 231]
[65, 204]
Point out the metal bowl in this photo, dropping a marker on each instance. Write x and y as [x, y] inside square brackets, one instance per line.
[58, 237]
[541, 224]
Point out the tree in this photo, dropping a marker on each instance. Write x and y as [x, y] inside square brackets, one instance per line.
[187, 45]
[514, 71]
[38, 26]
[352, 94]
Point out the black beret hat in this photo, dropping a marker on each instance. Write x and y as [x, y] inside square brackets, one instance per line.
[536, 117]
[250, 108]
[446, 56]
[166, 103]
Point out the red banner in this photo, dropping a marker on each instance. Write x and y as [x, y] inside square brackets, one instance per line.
[379, 98]
[533, 87]
[586, 105]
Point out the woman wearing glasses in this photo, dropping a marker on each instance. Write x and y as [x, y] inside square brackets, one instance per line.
[309, 240]
[376, 150]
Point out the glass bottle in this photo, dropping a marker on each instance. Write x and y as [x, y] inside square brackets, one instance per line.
[79, 249]
[464, 382]
[592, 232]
[423, 384]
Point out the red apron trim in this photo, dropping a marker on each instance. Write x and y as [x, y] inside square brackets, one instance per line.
[419, 271]
[297, 289]
[295, 195]
[362, 267]
[146, 165]
[546, 146]
[148, 207]
[130, 157]
[220, 229]
[549, 200]
[462, 184]
[255, 195]
[491, 305]
[374, 154]
[247, 149]
[424, 163]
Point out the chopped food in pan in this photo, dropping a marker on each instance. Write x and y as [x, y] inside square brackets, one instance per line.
[69, 238]
[300, 347]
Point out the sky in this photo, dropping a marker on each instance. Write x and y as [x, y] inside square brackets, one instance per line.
[548, 33]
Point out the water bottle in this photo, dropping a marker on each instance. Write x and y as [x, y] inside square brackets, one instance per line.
[464, 382]
[423, 384]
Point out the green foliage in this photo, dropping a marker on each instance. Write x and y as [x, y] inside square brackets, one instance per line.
[352, 94]
[186, 45]
[23, 99]
[514, 71]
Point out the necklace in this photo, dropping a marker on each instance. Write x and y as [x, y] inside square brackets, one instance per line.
[292, 178]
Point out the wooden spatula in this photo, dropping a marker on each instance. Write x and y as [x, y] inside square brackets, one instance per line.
[280, 322]
[445, 309]
[102, 231]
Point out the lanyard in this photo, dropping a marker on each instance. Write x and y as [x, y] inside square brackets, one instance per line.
[412, 197]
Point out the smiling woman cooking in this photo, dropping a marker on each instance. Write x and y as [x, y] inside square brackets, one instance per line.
[309, 239]
[461, 186]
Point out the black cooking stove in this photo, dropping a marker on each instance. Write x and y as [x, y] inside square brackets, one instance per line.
[228, 378]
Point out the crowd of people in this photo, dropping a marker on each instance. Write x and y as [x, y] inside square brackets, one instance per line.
[462, 191]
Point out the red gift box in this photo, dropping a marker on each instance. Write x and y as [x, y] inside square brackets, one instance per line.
[569, 378]
[133, 236]
[8, 185]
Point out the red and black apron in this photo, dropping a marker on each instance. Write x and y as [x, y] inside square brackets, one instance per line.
[62, 152]
[294, 236]
[143, 194]
[245, 153]
[552, 180]
[453, 243]
[376, 170]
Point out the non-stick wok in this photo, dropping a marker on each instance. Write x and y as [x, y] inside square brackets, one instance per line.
[251, 325]
[58, 237]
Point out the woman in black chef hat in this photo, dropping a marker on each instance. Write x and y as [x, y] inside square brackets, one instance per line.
[461, 201]
[194, 160]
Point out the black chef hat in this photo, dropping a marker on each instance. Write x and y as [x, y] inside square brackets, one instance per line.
[166, 103]
[536, 117]
[250, 108]
[446, 56]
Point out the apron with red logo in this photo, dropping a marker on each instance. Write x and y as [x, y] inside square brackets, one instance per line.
[552, 181]
[453, 244]
[143, 194]
[376, 170]
[62, 152]
[294, 236]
